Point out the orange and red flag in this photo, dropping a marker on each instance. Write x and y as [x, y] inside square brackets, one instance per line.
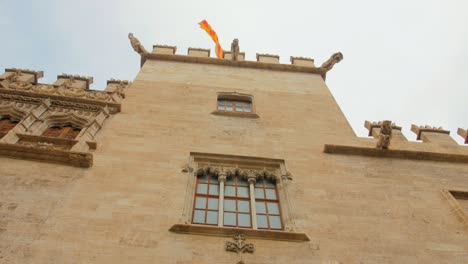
[204, 25]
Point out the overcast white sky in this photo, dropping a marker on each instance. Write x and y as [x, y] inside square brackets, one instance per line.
[406, 61]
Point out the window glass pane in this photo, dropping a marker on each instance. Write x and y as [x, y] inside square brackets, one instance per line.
[213, 203]
[220, 105]
[260, 207]
[200, 203]
[202, 188]
[229, 205]
[243, 206]
[273, 208]
[275, 222]
[244, 220]
[228, 106]
[259, 183]
[214, 189]
[243, 192]
[212, 217]
[269, 184]
[259, 193]
[248, 108]
[230, 219]
[230, 181]
[262, 221]
[199, 216]
[239, 107]
[242, 182]
[203, 178]
[270, 194]
[214, 180]
[230, 191]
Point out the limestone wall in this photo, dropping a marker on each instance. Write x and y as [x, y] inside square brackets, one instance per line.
[355, 209]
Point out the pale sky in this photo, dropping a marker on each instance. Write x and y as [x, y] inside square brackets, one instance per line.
[406, 61]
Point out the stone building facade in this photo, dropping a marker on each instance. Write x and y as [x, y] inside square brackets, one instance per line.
[205, 160]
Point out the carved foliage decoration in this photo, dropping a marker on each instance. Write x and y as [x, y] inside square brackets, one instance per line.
[239, 246]
[244, 173]
[65, 116]
[14, 110]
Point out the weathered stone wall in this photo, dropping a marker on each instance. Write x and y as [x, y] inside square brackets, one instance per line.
[355, 209]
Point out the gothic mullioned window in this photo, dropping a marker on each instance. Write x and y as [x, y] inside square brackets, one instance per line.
[66, 132]
[230, 193]
[236, 198]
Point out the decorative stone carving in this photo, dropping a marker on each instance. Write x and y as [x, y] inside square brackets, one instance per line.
[235, 50]
[186, 168]
[385, 135]
[286, 177]
[136, 45]
[335, 58]
[239, 246]
[43, 145]
[244, 173]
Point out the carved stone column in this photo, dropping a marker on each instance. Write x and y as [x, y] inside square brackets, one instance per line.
[222, 180]
[252, 179]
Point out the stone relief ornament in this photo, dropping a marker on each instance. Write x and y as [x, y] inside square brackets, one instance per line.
[334, 59]
[235, 49]
[239, 246]
[385, 135]
[136, 45]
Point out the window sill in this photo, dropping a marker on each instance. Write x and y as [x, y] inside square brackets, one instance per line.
[39, 151]
[229, 231]
[234, 114]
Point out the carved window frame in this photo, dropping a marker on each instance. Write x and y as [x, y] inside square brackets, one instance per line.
[260, 167]
[235, 97]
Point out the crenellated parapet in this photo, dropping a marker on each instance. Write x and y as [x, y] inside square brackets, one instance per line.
[437, 144]
[235, 58]
[58, 122]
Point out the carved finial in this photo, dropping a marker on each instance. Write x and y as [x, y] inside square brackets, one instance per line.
[186, 168]
[235, 50]
[136, 45]
[335, 58]
[385, 135]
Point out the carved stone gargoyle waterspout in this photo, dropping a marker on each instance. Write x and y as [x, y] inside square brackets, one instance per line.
[334, 59]
[136, 45]
[385, 135]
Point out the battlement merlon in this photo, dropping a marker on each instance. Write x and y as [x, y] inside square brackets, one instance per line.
[73, 81]
[234, 58]
[22, 75]
[464, 134]
[429, 134]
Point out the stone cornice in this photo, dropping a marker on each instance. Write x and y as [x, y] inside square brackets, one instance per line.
[395, 153]
[42, 152]
[113, 106]
[241, 64]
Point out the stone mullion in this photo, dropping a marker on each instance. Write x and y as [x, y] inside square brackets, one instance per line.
[221, 180]
[253, 210]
